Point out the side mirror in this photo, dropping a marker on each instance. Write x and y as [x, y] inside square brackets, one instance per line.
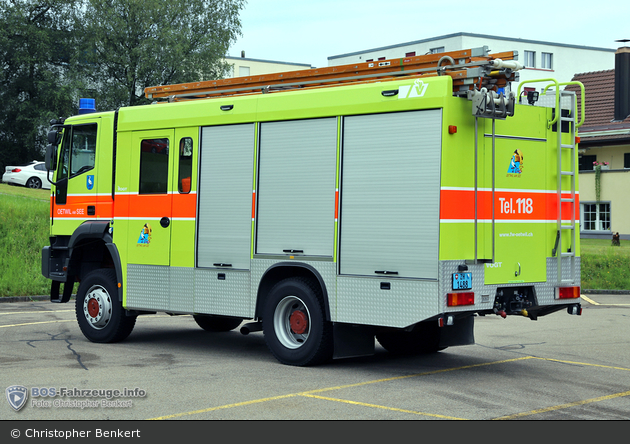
[50, 158]
[53, 137]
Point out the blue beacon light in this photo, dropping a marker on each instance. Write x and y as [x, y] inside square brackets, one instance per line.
[87, 106]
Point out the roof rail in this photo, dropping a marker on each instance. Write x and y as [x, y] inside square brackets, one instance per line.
[470, 69]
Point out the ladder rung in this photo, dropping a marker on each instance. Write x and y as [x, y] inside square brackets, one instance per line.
[564, 145]
[567, 119]
[567, 200]
[567, 227]
[567, 173]
[567, 254]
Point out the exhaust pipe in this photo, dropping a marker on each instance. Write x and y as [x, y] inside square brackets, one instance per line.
[251, 327]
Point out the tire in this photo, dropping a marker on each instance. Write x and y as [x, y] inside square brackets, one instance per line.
[100, 315]
[424, 338]
[217, 323]
[294, 324]
[34, 182]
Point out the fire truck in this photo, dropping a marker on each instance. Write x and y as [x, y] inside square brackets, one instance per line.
[393, 200]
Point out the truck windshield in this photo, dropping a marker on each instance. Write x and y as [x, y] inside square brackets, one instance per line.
[78, 151]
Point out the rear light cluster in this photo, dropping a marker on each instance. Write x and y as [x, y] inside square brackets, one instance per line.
[16, 170]
[458, 299]
[567, 292]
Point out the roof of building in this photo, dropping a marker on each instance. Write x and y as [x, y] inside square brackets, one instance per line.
[470, 34]
[599, 103]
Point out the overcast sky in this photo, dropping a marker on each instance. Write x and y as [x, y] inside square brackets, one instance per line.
[309, 32]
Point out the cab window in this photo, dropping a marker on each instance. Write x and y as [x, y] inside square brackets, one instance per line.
[154, 166]
[185, 164]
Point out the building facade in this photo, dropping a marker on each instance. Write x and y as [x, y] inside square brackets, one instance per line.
[541, 59]
[605, 146]
[243, 67]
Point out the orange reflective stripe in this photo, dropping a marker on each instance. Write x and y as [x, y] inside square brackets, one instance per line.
[155, 205]
[76, 206]
[128, 205]
[516, 205]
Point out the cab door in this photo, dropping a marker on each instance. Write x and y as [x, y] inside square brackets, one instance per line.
[75, 195]
[150, 197]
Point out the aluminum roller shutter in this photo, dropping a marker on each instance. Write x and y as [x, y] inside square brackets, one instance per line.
[225, 195]
[296, 187]
[390, 193]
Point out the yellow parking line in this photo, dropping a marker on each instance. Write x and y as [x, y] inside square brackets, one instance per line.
[226, 406]
[393, 409]
[564, 406]
[33, 323]
[586, 364]
[35, 312]
[589, 300]
[432, 372]
[592, 302]
[311, 392]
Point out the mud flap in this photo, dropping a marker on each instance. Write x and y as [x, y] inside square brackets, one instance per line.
[460, 333]
[352, 341]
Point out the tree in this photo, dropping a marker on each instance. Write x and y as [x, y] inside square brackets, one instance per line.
[36, 38]
[130, 45]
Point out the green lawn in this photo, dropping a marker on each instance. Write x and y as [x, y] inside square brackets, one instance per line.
[605, 267]
[24, 216]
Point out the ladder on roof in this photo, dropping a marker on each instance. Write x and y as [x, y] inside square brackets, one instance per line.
[470, 69]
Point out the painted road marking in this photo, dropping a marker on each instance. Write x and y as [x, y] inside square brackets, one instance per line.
[592, 302]
[564, 406]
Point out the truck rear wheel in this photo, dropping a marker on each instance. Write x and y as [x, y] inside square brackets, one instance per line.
[424, 338]
[217, 323]
[100, 314]
[294, 324]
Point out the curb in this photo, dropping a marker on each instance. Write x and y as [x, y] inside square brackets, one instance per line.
[605, 291]
[29, 298]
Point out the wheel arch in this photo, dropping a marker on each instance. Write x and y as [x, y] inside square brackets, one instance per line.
[91, 247]
[283, 270]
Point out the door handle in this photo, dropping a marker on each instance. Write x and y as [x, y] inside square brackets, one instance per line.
[165, 222]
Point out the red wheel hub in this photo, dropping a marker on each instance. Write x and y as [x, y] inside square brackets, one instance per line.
[93, 307]
[298, 322]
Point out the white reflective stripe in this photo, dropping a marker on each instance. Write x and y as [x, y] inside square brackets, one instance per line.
[505, 221]
[505, 190]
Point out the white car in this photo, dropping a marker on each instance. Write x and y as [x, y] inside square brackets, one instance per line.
[32, 175]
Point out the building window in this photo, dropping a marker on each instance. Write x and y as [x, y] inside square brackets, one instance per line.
[381, 58]
[586, 163]
[243, 71]
[530, 59]
[547, 60]
[596, 217]
[436, 50]
[410, 54]
[626, 160]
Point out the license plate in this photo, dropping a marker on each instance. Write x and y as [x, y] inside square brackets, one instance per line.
[462, 281]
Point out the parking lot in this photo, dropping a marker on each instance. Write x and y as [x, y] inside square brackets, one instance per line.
[560, 367]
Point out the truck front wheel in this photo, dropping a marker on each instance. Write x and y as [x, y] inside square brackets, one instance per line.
[294, 324]
[100, 314]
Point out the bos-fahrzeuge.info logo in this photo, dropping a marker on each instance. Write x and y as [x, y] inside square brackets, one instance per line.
[18, 395]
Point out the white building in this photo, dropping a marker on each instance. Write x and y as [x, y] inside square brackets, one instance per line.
[541, 59]
[242, 66]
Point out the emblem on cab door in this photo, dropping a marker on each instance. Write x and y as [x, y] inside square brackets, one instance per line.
[145, 235]
[89, 182]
